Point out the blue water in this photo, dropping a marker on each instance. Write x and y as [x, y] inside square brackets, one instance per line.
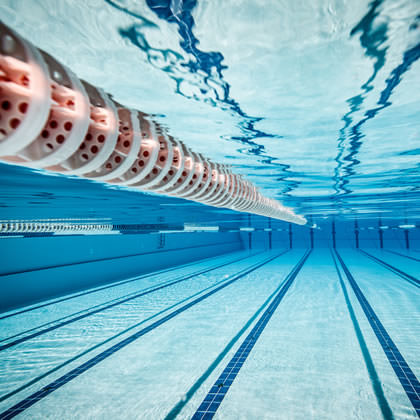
[278, 88]
[118, 304]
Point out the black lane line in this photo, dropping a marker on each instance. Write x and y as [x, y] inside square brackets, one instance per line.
[120, 301]
[147, 289]
[11, 273]
[46, 390]
[405, 375]
[113, 284]
[403, 255]
[115, 299]
[190, 393]
[397, 271]
[112, 338]
[212, 401]
[370, 366]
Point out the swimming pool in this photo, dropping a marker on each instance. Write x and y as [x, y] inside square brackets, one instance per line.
[117, 303]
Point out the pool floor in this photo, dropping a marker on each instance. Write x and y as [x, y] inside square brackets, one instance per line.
[293, 334]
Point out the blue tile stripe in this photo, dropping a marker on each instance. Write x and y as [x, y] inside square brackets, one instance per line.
[115, 302]
[48, 389]
[214, 398]
[403, 255]
[395, 270]
[406, 376]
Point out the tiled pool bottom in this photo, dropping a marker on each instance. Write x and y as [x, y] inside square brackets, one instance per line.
[293, 334]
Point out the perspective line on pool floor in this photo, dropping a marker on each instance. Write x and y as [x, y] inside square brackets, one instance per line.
[404, 373]
[114, 337]
[110, 304]
[197, 384]
[403, 255]
[218, 391]
[370, 366]
[395, 270]
[108, 286]
[46, 390]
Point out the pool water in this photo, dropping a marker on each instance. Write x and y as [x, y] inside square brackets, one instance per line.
[118, 304]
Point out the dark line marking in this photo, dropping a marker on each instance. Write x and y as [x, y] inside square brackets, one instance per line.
[402, 255]
[218, 391]
[147, 289]
[114, 284]
[370, 366]
[405, 375]
[190, 393]
[120, 301]
[83, 353]
[397, 271]
[12, 273]
[46, 390]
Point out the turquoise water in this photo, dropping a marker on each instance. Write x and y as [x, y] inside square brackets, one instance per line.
[316, 103]
[118, 304]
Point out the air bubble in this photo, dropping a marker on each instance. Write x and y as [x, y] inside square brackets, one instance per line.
[8, 44]
[57, 76]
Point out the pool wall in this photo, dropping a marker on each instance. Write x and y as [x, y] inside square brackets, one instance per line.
[37, 268]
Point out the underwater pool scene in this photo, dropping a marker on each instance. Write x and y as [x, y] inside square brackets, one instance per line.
[210, 209]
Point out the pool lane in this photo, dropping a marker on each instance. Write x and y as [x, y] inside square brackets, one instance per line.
[15, 323]
[393, 268]
[407, 254]
[395, 302]
[31, 359]
[408, 379]
[307, 362]
[218, 391]
[47, 327]
[147, 377]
